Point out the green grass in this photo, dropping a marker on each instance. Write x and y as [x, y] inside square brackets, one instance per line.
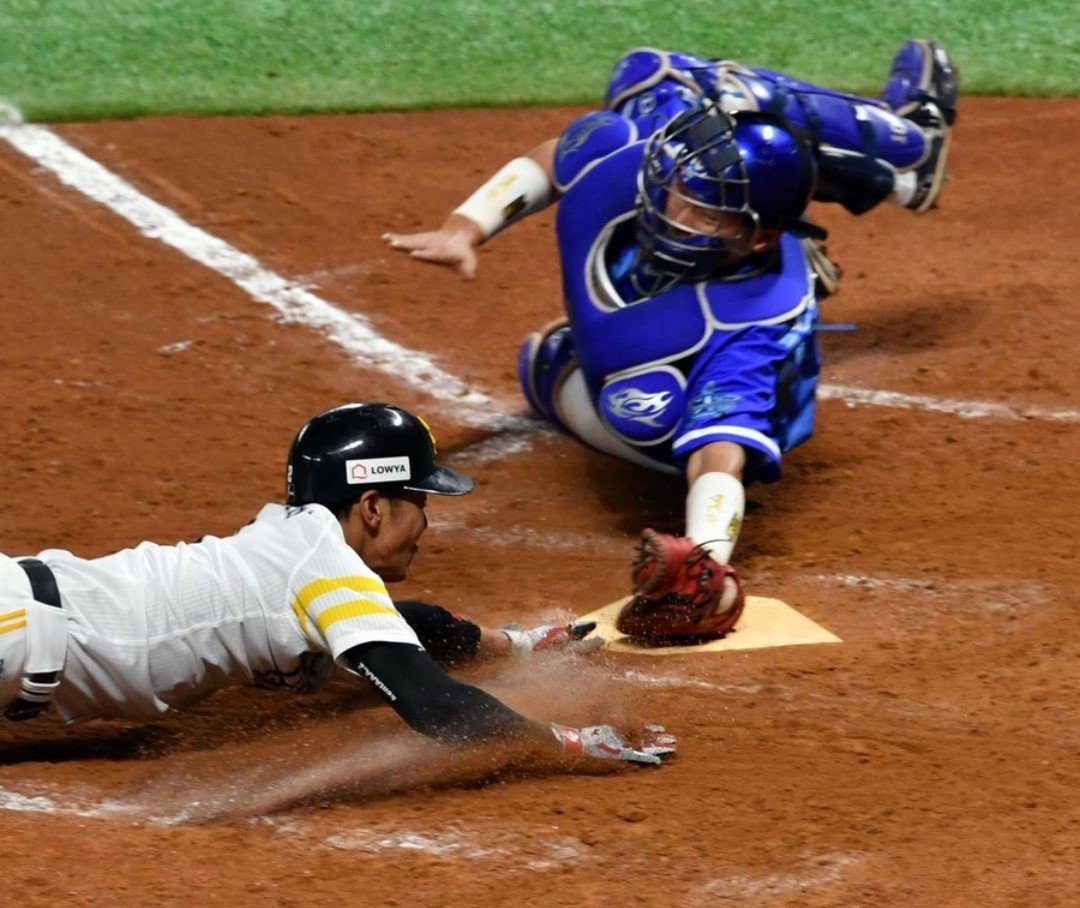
[85, 59]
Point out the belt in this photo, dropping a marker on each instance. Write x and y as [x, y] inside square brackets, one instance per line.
[37, 688]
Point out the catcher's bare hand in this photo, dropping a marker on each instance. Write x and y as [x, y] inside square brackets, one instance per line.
[453, 245]
[606, 742]
[567, 638]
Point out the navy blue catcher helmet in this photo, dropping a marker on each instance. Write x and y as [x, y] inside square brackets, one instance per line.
[756, 167]
[347, 449]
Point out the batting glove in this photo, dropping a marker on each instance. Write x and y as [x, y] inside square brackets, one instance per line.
[567, 638]
[606, 743]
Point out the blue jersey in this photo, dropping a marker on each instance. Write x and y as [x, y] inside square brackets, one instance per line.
[710, 361]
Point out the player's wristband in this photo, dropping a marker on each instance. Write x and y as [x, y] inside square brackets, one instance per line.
[518, 189]
[568, 737]
[714, 513]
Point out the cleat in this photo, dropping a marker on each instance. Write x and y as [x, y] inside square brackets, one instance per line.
[930, 174]
[922, 72]
[923, 87]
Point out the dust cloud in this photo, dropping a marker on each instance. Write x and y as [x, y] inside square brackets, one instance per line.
[368, 754]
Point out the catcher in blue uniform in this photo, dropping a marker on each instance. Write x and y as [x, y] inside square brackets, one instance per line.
[691, 279]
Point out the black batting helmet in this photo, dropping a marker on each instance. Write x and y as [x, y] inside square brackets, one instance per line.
[346, 449]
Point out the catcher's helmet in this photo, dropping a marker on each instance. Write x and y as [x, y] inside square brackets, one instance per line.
[348, 448]
[756, 167]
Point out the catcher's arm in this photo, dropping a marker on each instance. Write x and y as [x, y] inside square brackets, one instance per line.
[440, 707]
[523, 186]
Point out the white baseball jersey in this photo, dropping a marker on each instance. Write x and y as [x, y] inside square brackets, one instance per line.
[157, 627]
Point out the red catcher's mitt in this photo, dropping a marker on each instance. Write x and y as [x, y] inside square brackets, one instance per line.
[682, 595]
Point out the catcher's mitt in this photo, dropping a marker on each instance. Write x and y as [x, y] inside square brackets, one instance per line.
[682, 595]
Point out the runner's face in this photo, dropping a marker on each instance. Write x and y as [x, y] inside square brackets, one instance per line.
[402, 523]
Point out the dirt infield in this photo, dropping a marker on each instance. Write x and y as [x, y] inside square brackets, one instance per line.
[930, 758]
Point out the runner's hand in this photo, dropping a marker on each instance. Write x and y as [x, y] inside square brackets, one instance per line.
[606, 743]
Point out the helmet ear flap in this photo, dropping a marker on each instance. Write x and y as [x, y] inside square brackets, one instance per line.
[781, 167]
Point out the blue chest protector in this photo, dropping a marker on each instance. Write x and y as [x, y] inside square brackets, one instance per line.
[596, 165]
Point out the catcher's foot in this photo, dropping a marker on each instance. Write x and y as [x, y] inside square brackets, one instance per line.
[922, 72]
[923, 86]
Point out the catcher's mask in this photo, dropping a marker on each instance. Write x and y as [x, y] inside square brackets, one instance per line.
[349, 448]
[748, 172]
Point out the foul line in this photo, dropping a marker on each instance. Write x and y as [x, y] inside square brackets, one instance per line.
[966, 409]
[352, 332]
[293, 301]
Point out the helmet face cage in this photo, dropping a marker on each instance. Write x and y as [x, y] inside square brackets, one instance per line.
[695, 159]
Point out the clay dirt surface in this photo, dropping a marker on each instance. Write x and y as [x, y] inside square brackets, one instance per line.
[930, 758]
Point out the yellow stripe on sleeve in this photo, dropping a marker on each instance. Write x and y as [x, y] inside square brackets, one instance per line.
[356, 608]
[18, 613]
[323, 585]
[13, 627]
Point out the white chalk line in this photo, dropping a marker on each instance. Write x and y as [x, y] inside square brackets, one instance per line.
[295, 303]
[501, 845]
[19, 802]
[638, 677]
[813, 872]
[965, 409]
[292, 300]
[554, 540]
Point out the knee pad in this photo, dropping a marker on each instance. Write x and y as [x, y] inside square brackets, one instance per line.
[545, 360]
[646, 407]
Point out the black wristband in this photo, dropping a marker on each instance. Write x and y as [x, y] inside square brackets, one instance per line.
[449, 639]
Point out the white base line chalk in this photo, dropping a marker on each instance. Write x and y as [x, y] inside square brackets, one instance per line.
[294, 302]
[965, 409]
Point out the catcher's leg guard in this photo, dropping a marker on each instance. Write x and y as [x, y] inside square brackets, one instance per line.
[545, 360]
[923, 87]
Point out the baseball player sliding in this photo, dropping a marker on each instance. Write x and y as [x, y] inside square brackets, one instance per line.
[302, 587]
[691, 279]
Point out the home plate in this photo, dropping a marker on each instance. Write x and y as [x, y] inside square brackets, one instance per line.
[764, 623]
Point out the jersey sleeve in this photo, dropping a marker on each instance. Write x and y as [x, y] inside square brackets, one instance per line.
[341, 603]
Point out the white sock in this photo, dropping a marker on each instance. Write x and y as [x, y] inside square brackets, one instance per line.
[903, 189]
[714, 513]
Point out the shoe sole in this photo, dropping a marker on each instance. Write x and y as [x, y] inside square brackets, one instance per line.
[939, 176]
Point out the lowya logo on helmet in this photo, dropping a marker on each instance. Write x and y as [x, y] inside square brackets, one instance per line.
[382, 469]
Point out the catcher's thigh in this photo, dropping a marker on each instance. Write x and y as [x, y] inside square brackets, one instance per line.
[576, 411]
